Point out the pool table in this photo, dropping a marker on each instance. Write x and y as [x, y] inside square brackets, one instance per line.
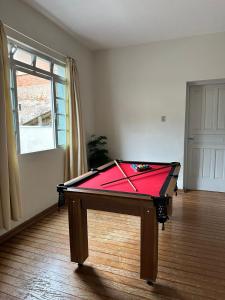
[147, 194]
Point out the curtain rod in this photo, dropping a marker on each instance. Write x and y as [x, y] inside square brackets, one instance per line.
[57, 52]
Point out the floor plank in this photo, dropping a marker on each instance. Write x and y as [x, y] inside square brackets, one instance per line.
[35, 264]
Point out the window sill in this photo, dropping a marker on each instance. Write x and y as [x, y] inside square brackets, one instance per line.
[59, 149]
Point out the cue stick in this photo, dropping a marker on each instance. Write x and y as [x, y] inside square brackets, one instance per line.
[135, 175]
[125, 176]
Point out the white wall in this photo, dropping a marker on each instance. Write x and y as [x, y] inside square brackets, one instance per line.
[135, 86]
[41, 171]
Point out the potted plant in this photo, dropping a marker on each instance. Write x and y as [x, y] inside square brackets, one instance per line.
[97, 152]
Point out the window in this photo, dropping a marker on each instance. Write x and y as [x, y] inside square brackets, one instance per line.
[38, 93]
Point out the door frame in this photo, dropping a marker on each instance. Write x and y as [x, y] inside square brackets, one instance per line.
[187, 108]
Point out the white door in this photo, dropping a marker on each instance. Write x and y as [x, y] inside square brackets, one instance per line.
[206, 138]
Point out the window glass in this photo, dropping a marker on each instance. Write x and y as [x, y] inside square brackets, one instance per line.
[61, 137]
[61, 107]
[12, 94]
[59, 70]
[42, 64]
[61, 122]
[60, 90]
[23, 56]
[34, 112]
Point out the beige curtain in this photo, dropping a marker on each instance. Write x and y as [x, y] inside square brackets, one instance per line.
[75, 157]
[10, 203]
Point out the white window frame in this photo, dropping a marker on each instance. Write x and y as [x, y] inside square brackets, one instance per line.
[16, 65]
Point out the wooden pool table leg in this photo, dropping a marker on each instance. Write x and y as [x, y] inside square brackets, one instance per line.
[149, 244]
[78, 231]
[170, 207]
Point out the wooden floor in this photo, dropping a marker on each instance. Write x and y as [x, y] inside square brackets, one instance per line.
[36, 265]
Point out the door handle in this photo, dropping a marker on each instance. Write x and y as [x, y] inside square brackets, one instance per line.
[191, 139]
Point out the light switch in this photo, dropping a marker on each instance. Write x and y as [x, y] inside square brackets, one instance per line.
[163, 118]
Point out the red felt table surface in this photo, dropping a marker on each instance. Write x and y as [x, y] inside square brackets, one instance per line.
[149, 183]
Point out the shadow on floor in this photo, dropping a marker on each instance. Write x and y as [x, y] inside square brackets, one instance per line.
[167, 291]
[90, 277]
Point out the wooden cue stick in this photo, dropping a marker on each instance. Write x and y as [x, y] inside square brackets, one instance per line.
[135, 175]
[125, 176]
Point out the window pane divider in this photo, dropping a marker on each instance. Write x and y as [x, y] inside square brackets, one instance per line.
[17, 129]
[32, 72]
[60, 98]
[55, 124]
[37, 70]
[60, 114]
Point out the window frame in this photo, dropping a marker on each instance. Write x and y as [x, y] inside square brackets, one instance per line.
[16, 65]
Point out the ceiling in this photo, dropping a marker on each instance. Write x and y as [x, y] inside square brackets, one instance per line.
[102, 24]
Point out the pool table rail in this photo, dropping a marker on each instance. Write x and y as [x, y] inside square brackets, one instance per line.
[78, 180]
[171, 182]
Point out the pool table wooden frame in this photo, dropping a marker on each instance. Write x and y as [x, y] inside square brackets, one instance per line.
[142, 205]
